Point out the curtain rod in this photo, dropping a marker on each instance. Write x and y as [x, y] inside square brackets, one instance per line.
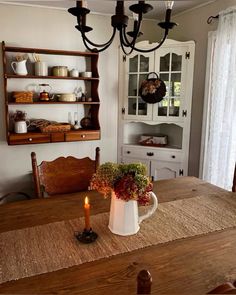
[210, 18]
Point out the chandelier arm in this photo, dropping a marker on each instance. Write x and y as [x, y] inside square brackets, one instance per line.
[84, 37]
[95, 49]
[122, 43]
[154, 48]
[127, 43]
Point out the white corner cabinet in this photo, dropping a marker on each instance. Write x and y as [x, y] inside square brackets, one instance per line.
[173, 63]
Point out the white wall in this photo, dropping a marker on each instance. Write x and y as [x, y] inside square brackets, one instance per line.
[54, 29]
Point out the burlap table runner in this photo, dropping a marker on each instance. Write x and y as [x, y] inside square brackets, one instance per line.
[50, 247]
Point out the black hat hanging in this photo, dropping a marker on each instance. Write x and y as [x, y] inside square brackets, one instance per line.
[152, 90]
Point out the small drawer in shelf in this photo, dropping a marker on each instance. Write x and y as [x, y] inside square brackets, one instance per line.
[28, 138]
[82, 135]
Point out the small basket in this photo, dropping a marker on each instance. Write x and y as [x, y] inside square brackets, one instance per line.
[155, 140]
[22, 96]
[152, 90]
[60, 127]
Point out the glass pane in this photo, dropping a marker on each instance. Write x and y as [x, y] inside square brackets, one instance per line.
[142, 107]
[176, 62]
[174, 107]
[133, 64]
[162, 107]
[133, 84]
[165, 79]
[175, 84]
[144, 64]
[165, 63]
[132, 106]
[142, 77]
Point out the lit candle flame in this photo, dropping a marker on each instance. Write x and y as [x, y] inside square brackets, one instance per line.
[86, 201]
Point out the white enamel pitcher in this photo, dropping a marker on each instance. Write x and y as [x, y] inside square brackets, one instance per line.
[124, 219]
[19, 67]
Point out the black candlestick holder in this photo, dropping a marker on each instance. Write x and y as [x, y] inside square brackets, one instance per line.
[87, 236]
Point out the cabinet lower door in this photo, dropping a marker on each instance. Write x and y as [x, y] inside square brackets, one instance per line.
[133, 160]
[164, 170]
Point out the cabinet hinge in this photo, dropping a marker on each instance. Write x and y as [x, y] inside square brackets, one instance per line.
[184, 113]
[187, 55]
[123, 111]
[124, 58]
[181, 172]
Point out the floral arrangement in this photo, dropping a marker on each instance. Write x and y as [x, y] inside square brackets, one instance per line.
[19, 116]
[128, 181]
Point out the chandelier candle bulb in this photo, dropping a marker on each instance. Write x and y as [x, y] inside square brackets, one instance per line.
[87, 213]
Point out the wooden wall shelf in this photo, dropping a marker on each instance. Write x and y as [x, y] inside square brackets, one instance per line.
[92, 88]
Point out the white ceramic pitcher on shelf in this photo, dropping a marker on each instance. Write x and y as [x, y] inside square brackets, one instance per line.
[19, 67]
[124, 218]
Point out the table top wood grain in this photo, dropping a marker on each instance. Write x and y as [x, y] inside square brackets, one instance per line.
[187, 266]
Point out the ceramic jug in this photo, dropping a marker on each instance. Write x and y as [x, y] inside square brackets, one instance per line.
[19, 67]
[21, 126]
[124, 218]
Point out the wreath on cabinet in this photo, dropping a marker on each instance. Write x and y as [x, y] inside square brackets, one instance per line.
[152, 90]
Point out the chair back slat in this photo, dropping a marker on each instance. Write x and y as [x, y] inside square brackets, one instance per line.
[66, 175]
[63, 175]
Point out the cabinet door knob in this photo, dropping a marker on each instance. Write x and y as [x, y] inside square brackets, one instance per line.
[173, 156]
[128, 152]
[30, 139]
[150, 154]
[83, 135]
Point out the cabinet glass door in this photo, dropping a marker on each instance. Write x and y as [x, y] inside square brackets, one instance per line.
[137, 68]
[171, 66]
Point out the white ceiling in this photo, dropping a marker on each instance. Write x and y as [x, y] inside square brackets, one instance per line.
[108, 6]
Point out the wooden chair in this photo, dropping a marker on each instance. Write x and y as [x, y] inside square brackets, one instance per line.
[144, 282]
[13, 196]
[227, 288]
[234, 180]
[63, 175]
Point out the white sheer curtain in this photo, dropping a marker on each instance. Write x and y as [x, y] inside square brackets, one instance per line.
[219, 130]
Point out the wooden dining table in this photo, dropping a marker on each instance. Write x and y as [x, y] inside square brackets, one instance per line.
[193, 265]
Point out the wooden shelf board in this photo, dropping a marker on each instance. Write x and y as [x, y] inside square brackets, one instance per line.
[55, 102]
[9, 76]
[50, 51]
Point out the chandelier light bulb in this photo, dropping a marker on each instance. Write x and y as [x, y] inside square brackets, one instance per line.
[169, 4]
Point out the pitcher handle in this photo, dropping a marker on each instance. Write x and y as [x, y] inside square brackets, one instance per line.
[13, 66]
[151, 210]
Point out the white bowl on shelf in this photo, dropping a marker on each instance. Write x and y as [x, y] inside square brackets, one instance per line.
[86, 74]
[66, 97]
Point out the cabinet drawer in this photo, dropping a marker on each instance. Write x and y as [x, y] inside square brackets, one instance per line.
[152, 154]
[28, 138]
[82, 135]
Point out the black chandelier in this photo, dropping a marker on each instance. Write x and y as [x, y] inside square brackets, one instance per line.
[119, 22]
